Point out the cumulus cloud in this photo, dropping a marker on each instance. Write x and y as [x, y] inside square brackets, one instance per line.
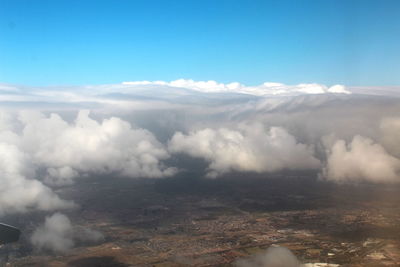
[361, 160]
[274, 256]
[18, 192]
[55, 235]
[37, 149]
[251, 148]
[58, 235]
[86, 146]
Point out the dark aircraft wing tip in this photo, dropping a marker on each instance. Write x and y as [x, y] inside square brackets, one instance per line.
[8, 233]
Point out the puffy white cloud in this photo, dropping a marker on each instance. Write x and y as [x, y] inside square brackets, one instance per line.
[274, 256]
[361, 160]
[57, 234]
[87, 146]
[36, 148]
[251, 148]
[19, 191]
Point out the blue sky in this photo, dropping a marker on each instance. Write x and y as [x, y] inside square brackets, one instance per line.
[79, 42]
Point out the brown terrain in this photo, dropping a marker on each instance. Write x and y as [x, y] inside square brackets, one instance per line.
[192, 221]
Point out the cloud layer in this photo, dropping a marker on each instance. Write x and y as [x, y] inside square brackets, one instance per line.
[133, 129]
[264, 89]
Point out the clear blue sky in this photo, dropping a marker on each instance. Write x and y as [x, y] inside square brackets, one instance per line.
[58, 42]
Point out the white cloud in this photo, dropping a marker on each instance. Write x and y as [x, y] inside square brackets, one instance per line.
[65, 151]
[86, 146]
[100, 96]
[57, 234]
[274, 256]
[8, 88]
[203, 86]
[251, 148]
[338, 89]
[265, 89]
[18, 193]
[361, 160]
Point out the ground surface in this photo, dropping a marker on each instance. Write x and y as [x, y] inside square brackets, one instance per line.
[190, 221]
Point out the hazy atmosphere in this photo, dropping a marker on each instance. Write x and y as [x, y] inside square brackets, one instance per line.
[200, 133]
